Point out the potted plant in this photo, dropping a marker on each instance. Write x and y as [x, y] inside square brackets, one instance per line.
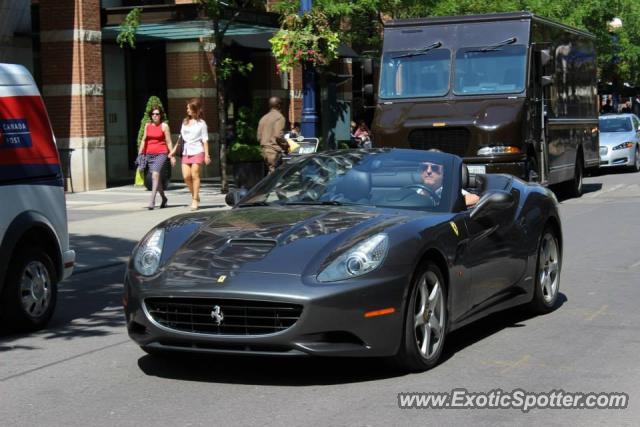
[244, 153]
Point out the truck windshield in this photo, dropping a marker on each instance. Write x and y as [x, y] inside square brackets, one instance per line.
[406, 76]
[481, 71]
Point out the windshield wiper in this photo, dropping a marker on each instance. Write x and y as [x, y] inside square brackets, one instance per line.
[419, 51]
[495, 47]
[262, 203]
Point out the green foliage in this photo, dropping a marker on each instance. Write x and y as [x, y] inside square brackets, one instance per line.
[618, 53]
[127, 33]
[152, 102]
[228, 67]
[244, 153]
[246, 147]
[306, 38]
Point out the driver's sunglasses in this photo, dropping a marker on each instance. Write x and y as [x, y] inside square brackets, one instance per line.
[435, 168]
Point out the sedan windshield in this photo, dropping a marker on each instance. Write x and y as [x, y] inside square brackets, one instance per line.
[380, 177]
[618, 124]
[490, 70]
[415, 73]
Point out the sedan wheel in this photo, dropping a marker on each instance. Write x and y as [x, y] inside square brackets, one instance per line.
[547, 274]
[636, 163]
[426, 321]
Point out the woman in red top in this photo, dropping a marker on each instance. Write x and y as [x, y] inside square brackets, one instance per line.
[156, 144]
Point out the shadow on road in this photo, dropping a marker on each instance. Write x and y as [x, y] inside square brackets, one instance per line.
[483, 328]
[89, 303]
[286, 371]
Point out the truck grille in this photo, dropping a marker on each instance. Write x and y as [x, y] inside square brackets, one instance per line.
[451, 140]
[240, 317]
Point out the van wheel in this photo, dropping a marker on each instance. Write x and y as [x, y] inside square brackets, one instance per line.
[30, 292]
[425, 325]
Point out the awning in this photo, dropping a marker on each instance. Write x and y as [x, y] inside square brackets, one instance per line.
[239, 34]
[184, 30]
[261, 42]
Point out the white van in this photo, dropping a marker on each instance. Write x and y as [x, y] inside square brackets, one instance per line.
[34, 241]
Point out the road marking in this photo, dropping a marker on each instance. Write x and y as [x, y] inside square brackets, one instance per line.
[597, 313]
[509, 365]
[634, 265]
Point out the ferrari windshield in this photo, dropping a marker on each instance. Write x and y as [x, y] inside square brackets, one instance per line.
[379, 177]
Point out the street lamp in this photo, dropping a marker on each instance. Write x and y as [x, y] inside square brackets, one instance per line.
[614, 25]
[309, 121]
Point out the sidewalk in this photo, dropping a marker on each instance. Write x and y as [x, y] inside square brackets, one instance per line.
[105, 225]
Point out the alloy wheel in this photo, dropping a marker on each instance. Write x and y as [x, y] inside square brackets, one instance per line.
[429, 315]
[549, 268]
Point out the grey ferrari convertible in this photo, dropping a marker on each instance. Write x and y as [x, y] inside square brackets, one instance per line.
[378, 252]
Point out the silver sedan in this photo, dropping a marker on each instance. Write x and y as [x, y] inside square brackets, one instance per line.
[620, 141]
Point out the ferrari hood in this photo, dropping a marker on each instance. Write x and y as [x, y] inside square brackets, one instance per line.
[270, 239]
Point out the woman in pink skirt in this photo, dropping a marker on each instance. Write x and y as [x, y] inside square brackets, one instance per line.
[195, 149]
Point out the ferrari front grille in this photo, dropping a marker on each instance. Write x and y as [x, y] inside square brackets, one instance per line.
[222, 316]
[449, 140]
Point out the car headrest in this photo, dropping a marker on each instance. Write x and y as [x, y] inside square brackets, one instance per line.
[468, 180]
[355, 185]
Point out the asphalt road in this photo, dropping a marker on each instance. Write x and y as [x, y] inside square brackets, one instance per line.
[83, 370]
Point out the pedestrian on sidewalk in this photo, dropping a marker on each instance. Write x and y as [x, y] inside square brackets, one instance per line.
[195, 149]
[156, 146]
[271, 134]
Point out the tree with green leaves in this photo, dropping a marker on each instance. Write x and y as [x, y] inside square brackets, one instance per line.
[360, 23]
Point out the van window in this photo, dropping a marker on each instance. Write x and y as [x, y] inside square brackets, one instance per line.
[422, 75]
[498, 70]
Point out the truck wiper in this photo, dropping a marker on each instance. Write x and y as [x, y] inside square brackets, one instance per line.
[496, 46]
[419, 51]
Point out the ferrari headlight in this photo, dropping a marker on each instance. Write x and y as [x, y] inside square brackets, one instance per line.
[623, 145]
[361, 259]
[147, 258]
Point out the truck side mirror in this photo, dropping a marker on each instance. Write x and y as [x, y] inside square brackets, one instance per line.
[545, 56]
[368, 92]
[367, 67]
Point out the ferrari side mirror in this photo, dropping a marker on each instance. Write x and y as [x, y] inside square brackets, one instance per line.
[491, 204]
[233, 197]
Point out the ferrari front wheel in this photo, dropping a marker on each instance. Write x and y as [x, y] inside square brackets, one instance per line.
[425, 325]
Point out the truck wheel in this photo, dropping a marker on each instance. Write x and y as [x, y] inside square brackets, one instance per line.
[30, 292]
[573, 187]
[532, 170]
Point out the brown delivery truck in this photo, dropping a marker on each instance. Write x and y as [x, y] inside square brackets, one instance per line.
[510, 93]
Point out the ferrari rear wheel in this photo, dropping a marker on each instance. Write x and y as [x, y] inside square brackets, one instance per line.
[425, 325]
[547, 283]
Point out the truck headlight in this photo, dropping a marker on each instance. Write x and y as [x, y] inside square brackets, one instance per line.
[147, 257]
[498, 149]
[361, 259]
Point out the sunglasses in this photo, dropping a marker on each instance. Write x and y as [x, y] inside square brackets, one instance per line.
[155, 114]
[435, 168]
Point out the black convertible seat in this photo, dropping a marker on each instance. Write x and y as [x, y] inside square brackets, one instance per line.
[354, 186]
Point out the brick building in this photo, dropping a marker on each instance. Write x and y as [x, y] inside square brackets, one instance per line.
[96, 91]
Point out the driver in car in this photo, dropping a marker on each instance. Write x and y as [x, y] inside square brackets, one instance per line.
[432, 174]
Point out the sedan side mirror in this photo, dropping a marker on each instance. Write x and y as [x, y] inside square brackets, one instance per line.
[492, 204]
[233, 197]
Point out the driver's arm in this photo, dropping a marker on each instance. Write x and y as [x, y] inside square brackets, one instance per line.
[470, 199]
